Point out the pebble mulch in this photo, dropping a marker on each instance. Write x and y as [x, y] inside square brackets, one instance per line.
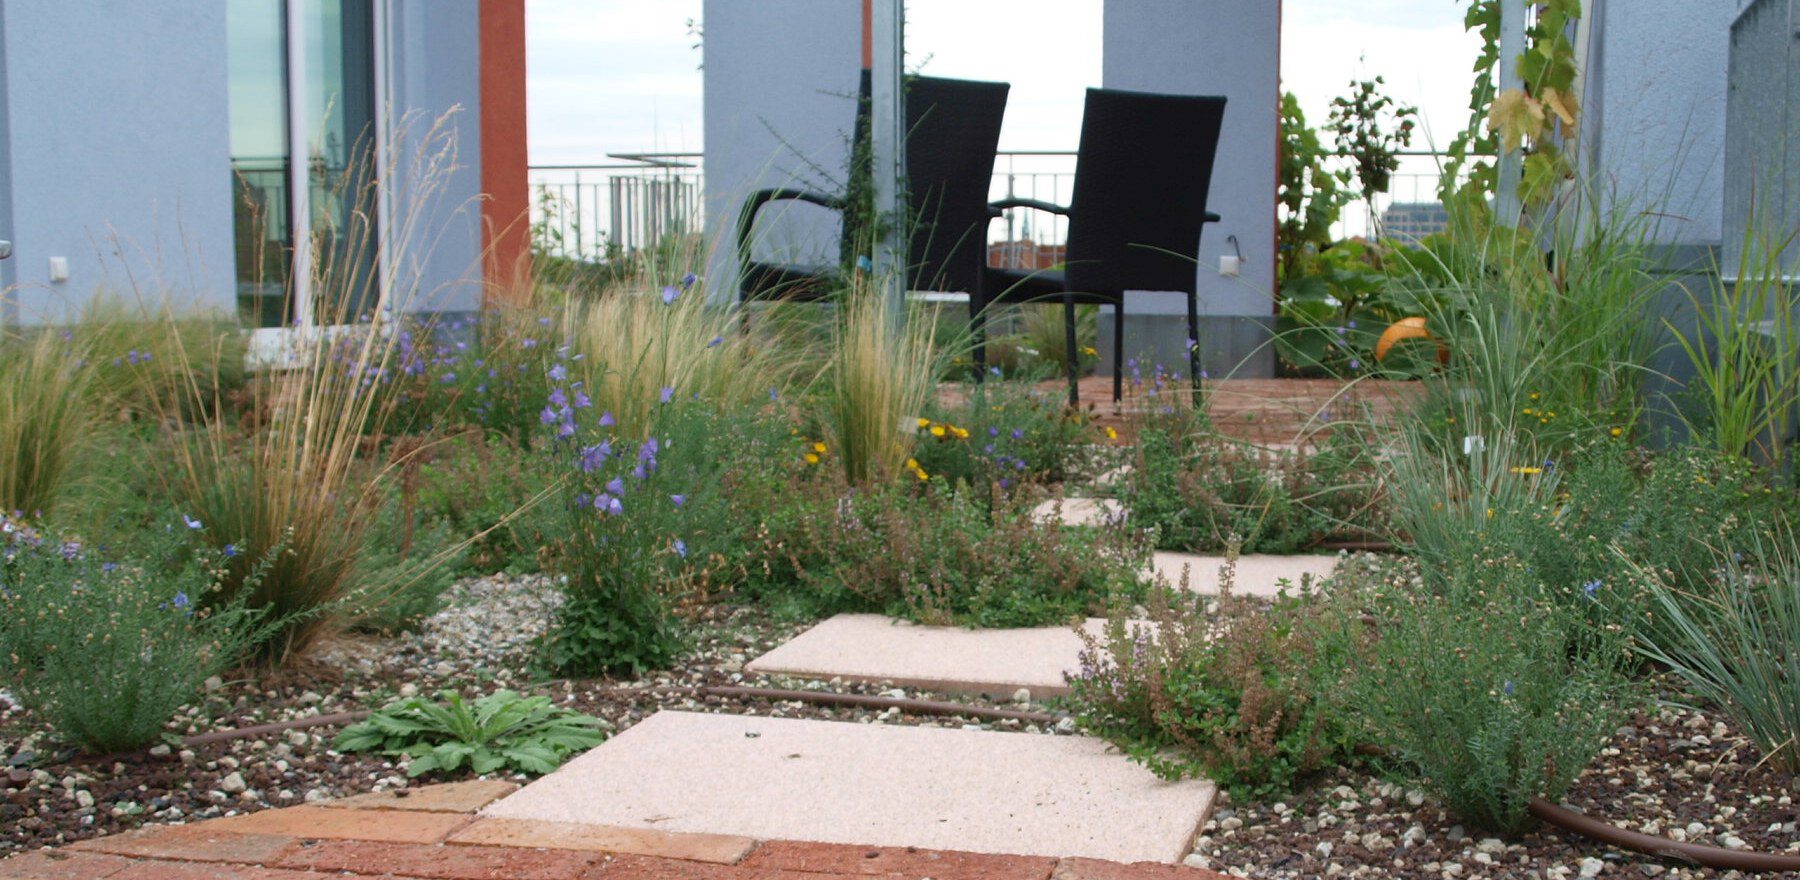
[480, 642]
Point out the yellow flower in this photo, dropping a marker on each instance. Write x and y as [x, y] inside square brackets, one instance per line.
[1526, 410]
[912, 464]
[1490, 513]
[812, 458]
[921, 475]
[1618, 432]
[961, 433]
[1534, 395]
[937, 430]
[1111, 434]
[1528, 470]
[1089, 351]
[924, 423]
[819, 448]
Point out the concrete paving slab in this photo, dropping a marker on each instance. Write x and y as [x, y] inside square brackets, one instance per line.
[1257, 574]
[950, 659]
[1079, 511]
[875, 785]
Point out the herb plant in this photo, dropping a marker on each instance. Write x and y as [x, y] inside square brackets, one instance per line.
[501, 731]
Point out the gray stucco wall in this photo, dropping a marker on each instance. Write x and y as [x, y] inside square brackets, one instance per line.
[1762, 160]
[1655, 111]
[435, 63]
[114, 153]
[781, 80]
[1230, 48]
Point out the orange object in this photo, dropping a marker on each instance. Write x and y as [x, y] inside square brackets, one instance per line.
[1408, 328]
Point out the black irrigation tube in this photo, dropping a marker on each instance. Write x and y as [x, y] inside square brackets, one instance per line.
[904, 704]
[1692, 853]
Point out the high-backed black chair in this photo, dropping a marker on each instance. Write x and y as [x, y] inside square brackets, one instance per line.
[952, 133]
[1141, 179]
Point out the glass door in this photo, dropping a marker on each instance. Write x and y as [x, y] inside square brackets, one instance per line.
[262, 211]
[303, 79]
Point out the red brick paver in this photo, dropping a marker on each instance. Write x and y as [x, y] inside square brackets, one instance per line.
[392, 826]
[844, 860]
[61, 865]
[206, 842]
[450, 797]
[417, 836]
[444, 862]
[721, 848]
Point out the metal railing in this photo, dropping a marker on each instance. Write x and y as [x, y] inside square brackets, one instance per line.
[595, 212]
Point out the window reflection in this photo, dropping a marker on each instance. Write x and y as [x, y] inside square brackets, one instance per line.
[336, 54]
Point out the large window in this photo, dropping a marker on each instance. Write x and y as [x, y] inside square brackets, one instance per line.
[304, 148]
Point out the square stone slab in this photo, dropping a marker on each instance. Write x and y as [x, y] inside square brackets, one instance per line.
[950, 659]
[1079, 511]
[875, 785]
[1257, 574]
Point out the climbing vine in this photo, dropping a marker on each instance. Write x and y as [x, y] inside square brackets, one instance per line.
[1542, 118]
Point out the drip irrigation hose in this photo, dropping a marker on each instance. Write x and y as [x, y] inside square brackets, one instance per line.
[1663, 847]
[828, 698]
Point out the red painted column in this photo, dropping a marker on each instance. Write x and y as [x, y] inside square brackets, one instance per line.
[505, 184]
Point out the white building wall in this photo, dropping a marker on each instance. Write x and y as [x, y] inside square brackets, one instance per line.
[781, 82]
[116, 154]
[1220, 47]
[1654, 119]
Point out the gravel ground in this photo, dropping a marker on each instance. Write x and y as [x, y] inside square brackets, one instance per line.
[479, 643]
[1672, 771]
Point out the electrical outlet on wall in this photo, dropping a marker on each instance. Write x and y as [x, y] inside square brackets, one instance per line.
[59, 269]
[1231, 265]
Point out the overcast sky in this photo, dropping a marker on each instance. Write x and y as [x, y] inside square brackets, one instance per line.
[607, 76]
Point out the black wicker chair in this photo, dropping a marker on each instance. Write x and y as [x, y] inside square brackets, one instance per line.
[1141, 179]
[953, 130]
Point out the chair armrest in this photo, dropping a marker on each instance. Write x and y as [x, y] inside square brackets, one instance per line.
[747, 216]
[1003, 204]
[1211, 218]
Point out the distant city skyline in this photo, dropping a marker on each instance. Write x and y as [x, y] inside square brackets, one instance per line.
[623, 75]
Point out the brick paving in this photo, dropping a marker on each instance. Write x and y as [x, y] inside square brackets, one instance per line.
[434, 834]
[1261, 411]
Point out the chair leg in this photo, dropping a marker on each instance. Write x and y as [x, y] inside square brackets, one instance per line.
[1118, 353]
[978, 324]
[1070, 356]
[1193, 344]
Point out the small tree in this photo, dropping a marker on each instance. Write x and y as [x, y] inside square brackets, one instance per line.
[1311, 197]
[1372, 129]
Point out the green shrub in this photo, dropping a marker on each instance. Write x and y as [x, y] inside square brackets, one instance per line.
[1241, 691]
[45, 419]
[1490, 694]
[486, 490]
[1198, 488]
[502, 731]
[403, 572]
[644, 520]
[145, 355]
[1003, 434]
[481, 372]
[939, 556]
[1736, 640]
[105, 652]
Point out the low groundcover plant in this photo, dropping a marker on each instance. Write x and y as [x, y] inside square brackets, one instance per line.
[501, 731]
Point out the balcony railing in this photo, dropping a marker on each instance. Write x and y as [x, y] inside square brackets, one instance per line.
[594, 212]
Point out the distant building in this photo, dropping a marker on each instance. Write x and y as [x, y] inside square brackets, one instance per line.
[1411, 221]
[1026, 254]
